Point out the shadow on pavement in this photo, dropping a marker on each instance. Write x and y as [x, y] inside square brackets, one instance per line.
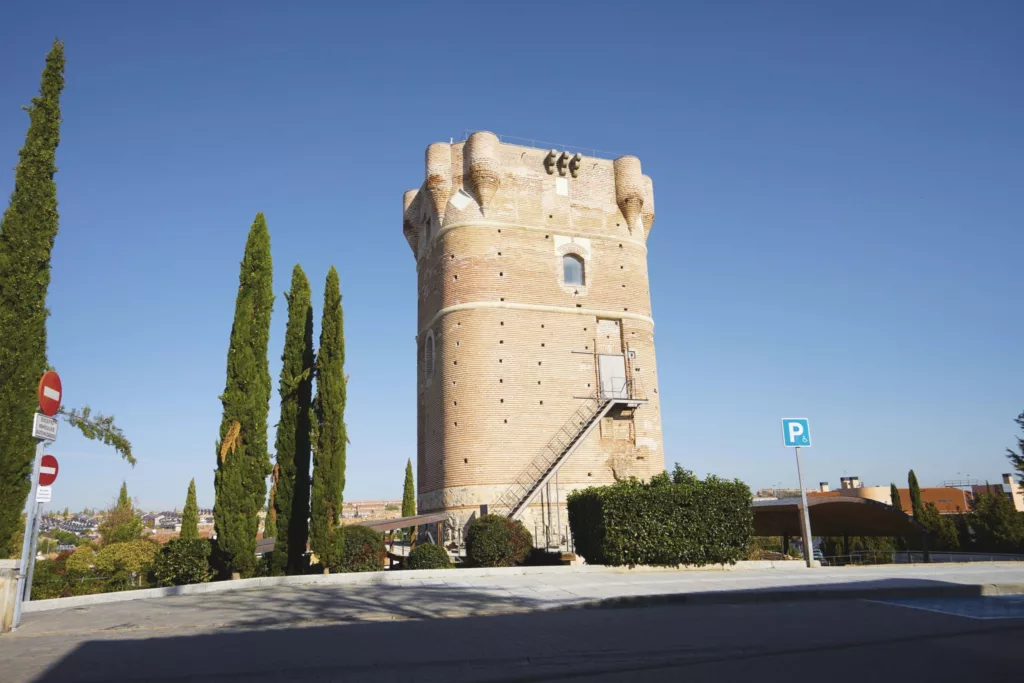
[288, 635]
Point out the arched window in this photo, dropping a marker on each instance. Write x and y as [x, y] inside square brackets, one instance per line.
[572, 269]
[428, 354]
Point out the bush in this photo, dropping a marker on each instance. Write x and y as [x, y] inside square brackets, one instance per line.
[428, 556]
[126, 564]
[363, 550]
[665, 522]
[182, 561]
[496, 541]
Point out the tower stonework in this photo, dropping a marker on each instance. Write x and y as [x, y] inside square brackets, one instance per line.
[532, 279]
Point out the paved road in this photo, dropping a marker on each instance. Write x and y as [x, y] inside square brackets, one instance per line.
[508, 632]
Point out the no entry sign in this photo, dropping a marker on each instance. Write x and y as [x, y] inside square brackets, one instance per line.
[47, 470]
[49, 393]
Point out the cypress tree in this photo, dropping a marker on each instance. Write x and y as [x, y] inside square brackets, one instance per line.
[291, 498]
[325, 533]
[242, 459]
[915, 496]
[27, 231]
[894, 493]
[190, 517]
[123, 501]
[409, 492]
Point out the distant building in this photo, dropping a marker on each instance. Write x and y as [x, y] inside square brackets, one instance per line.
[948, 500]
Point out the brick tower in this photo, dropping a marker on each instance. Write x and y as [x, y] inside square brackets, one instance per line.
[535, 342]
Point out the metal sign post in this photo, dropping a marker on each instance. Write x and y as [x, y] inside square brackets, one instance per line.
[44, 428]
[796, 432]
[28, 542]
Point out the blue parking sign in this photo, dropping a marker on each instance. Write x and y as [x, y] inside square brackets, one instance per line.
[796, 432]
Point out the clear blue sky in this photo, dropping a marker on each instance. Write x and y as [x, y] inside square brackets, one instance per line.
[839, 193]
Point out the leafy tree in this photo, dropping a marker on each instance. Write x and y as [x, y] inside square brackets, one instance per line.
[242, 459]
[121, 523]
[65, 513]
[994, 525]
[894, 493]
[126, 563]
[81, 559]
[27, 232]
[66, 537]
[190, 516]
[409, 492]
[916, 506]
[326, 539]
[942, 531]
[1016, 457]
[182, 561]
[291, 498]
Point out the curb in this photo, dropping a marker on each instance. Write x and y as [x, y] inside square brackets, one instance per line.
[786, 595]
[376, 578]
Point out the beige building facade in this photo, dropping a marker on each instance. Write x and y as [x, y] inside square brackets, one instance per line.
[534, 306]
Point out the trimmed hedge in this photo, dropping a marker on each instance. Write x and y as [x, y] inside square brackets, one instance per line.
[363, 550]
[428, 556]
[665, 522]
[496, 541]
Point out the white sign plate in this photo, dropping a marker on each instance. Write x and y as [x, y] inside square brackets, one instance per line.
[44, 428]
[44, 494]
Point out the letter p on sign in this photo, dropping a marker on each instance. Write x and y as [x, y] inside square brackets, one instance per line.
[796, 433]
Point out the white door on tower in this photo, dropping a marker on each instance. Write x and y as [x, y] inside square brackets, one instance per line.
[613, 376]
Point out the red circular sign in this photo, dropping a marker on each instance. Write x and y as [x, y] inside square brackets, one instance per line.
[47, 470]
[49, 393]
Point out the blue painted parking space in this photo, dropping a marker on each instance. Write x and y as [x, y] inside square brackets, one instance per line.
[989, 607]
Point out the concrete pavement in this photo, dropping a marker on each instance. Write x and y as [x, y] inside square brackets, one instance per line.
[71, 641]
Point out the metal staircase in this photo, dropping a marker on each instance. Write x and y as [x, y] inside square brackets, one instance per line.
[537, 474]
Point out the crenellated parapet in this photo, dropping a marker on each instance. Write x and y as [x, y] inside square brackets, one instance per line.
[482, 181]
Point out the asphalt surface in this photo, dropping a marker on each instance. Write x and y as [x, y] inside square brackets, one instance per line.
[839, 640]
[477, 626]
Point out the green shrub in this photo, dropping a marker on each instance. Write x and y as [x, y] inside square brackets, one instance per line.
[428, 556]
[664, 522]
[182, 561]
[496, 541]
[363, 550]
[127, 564]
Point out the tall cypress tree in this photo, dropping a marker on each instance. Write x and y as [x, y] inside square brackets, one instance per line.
[123, 501]
[291, 498]
[325, 533]
[242, 459]
[894, 493]
[190, 516]
[916, 506]
[409, 492]
[27, 231]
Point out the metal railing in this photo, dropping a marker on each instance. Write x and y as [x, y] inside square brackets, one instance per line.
[531, 477]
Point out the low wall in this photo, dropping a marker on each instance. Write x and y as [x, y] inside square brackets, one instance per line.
[366, 578]
[8, 588]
